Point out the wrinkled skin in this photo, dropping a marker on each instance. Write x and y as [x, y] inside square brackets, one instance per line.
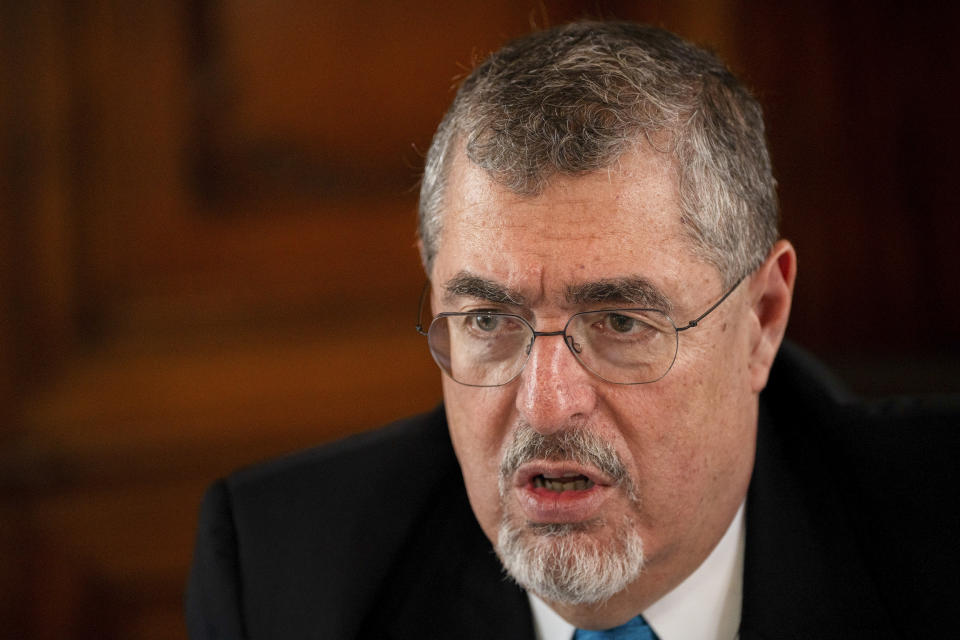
[688, 439]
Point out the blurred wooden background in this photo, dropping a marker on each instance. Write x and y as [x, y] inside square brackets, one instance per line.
[208, 244]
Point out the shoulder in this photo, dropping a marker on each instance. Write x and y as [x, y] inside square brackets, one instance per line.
[883, 470]
[366, 489]
[414, 451]
[911, 437]
[326, 524]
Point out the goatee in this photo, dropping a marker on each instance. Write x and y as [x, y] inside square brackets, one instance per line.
[571, 563]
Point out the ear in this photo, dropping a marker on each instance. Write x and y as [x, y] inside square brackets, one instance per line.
[771, 292]
[423, 256]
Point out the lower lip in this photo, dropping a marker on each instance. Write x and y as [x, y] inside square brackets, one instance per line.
[544, 505]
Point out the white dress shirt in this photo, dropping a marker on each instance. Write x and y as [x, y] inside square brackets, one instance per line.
[705, 606]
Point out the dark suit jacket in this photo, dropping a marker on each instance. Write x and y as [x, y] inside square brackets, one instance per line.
[851, 531]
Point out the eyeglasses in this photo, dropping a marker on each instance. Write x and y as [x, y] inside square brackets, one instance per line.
[622, 346]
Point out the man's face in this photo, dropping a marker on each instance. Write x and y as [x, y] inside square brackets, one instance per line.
[685, 442]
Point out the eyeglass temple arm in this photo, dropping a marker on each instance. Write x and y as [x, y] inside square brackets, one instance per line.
[423, 297]
[693, 323]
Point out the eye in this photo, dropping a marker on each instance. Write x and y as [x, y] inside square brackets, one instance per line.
[626, 325]
[621, 323]
[486, 323]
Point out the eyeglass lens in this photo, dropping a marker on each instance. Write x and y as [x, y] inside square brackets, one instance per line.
[489, 349]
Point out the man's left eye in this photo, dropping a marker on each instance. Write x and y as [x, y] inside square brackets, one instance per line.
[621, 323]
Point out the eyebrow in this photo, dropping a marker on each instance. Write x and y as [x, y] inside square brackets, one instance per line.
[628, 290]
[466, 284]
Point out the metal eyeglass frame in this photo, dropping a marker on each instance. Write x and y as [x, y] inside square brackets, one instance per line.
[568, 339]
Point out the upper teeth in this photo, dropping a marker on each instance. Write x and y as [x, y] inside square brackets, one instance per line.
[552, 484]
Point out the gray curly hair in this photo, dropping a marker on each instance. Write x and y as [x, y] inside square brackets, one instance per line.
[573, 99]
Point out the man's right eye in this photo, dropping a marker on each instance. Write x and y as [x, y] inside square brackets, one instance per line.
[486, 323]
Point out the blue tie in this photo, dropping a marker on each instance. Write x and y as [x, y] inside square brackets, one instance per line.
[636, 629]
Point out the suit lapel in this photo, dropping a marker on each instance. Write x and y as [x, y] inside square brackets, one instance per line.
[804, 576]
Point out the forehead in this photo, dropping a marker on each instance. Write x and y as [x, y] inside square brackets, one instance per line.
[616, 223]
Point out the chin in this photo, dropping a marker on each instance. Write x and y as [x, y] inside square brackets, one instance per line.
[571, 563]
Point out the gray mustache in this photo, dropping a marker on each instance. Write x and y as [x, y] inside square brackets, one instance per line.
[576, 444]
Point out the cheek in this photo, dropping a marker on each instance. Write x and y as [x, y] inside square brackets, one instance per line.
[653, 422]
[711, 444]
[680, 440]
[479, 422]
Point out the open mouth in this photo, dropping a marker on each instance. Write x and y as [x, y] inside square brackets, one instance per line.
[558, 476]
[560, 492]
[565, 482]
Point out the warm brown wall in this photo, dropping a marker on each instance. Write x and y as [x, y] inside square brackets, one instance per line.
[194, 192]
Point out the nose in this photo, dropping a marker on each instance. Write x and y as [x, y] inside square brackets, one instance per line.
[554, 388]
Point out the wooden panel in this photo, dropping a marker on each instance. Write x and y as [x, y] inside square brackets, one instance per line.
[861, 167]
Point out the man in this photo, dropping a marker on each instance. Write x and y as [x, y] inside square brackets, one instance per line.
[598, 224]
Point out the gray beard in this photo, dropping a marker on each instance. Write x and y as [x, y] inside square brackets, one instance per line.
[568, 563]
